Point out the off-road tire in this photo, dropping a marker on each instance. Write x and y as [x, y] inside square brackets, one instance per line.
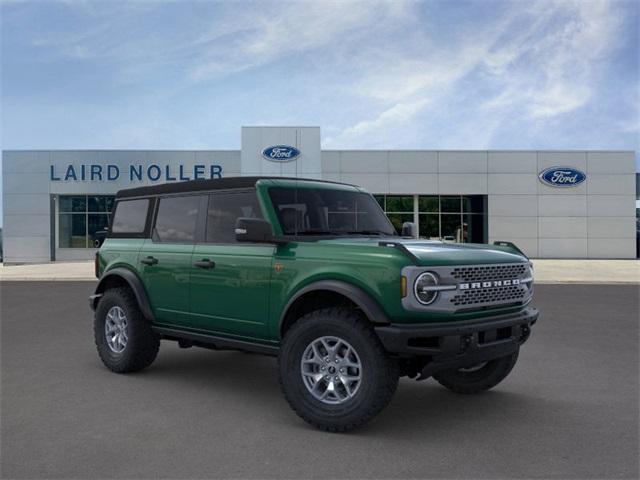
[379, 372]
[142, 344]
[487, 377]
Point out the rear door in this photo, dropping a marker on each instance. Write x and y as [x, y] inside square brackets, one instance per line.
[165, 258]
[230, 281]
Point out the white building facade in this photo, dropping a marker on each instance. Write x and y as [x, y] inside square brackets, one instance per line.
[552, 204]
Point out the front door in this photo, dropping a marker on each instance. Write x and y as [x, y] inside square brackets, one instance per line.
[165, 259]
[230, 281]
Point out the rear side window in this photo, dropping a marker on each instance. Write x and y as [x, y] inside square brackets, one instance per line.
[225, 209]
[176, 219]
[130, 216]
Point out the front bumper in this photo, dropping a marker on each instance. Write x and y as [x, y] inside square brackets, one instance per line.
[459, 344]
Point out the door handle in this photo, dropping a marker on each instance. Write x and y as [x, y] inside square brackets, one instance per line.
[204, 263]
[149, 260]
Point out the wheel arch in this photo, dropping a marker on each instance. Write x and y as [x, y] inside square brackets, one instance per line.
[121, 276]
[337, 290]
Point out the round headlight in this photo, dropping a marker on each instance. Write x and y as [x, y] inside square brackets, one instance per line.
[423, 288]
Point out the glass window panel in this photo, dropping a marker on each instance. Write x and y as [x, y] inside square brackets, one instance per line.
[380, 200]
[451, 227]
[450, 204]
[72, 203]
[429, 226]
[130, 216]
[97, 228]
[429, 204]
[225, 209]
[474, 226]
[474, 203]
[72, 229]
[176, 220]
[397, 219]
[109, 203]
[399, 203]
[97, 203]
[314, 211]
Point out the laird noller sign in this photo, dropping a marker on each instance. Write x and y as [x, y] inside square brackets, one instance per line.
[134, 173]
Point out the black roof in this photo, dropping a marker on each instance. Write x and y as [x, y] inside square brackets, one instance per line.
[202, 185]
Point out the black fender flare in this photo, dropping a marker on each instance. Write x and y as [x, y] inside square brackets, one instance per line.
[134, 283]
[369, 306]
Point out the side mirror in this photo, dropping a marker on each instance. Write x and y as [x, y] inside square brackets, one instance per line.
[254, 230]
[409, 229]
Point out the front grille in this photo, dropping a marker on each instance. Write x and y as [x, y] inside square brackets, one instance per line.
[468, 288]
[488, 272]
[509, 294]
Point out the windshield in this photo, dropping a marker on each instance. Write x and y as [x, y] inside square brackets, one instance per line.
[316, 211]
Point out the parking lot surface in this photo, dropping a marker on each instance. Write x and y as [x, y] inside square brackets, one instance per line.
[568, 410]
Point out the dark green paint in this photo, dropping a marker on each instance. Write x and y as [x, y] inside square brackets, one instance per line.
[245, 295]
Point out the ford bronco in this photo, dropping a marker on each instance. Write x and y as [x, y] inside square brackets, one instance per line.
[314, 273]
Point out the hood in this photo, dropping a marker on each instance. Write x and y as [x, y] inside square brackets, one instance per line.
[435, 253]
[440, 253]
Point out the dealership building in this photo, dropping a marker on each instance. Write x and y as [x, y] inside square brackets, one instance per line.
[551, 204]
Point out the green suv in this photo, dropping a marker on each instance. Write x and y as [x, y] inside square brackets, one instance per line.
[314, 273]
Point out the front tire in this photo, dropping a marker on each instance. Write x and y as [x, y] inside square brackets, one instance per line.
[478, 378]
[334, 372]
[123, 336]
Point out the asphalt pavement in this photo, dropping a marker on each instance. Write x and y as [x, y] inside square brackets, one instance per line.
[568, 410]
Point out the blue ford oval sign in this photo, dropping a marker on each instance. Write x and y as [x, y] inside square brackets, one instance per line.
[281, 153]
[562, 177]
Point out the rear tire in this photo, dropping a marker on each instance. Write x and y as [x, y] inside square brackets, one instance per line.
[479, 379]
[341, 343]
[123, 336]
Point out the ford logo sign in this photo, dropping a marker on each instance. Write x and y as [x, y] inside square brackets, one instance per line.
[281, 153]
[562, 177]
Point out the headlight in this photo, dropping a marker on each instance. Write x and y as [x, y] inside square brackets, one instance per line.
[425, 288]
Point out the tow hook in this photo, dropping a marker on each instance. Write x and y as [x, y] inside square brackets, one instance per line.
[526, 331]
[465, 341]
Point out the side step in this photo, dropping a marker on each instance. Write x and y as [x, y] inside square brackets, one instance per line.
[215, 342]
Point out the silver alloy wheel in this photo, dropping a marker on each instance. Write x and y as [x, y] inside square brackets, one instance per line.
[115, 329]
[331, 370]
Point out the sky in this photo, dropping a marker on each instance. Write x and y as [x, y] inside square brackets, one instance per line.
[373, 74]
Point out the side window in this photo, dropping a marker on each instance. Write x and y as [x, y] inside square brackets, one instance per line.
[130, 216]
[225, 209]
[176, 219]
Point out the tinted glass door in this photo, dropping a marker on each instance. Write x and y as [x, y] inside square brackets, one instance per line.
[230, 287]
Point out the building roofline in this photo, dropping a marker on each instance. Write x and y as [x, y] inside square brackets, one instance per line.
[322, 150]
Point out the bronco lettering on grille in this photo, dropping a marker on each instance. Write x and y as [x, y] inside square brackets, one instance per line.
[494, 283]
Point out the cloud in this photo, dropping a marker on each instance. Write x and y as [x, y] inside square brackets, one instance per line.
[550, 68]
[261, 36]
[394, 74]
[540, 60]
[229, 38]
[398, 113]
[405, 88]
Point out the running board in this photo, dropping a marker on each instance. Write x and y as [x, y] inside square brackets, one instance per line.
[215, 342]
